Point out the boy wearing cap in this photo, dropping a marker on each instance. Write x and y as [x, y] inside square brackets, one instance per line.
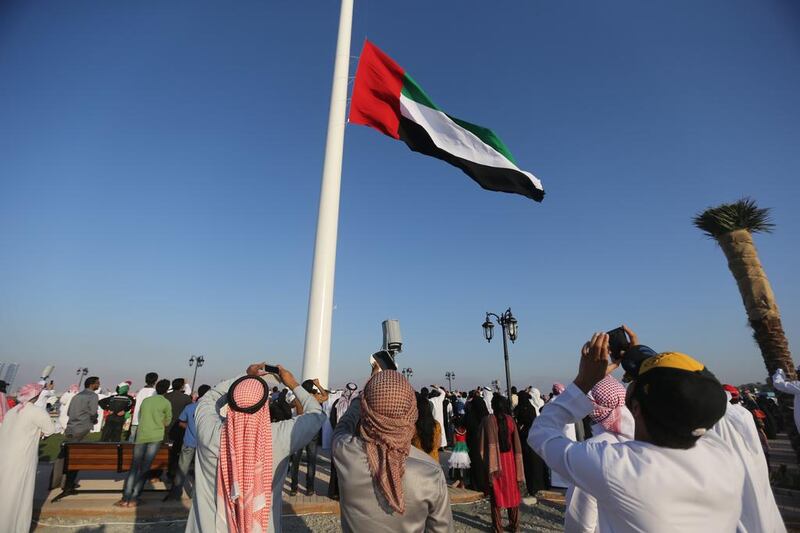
[675, 475]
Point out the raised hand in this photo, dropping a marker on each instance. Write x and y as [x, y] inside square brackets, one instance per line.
[594, 362]
[287, 377]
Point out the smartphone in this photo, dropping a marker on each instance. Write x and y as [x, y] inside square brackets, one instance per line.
[270, 369]
[384, 360]
[617, 342]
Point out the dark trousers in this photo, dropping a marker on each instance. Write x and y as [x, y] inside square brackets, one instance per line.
[184, 466]
[143, 455]
[497, 517]
[176, 436]
[112, 429]
[72, 475]
[311, 464]
[333, 486]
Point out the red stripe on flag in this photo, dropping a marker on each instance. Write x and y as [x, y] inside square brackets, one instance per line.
[376, 93]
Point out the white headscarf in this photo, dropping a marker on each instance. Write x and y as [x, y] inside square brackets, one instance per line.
[536, 399]
[343, 403]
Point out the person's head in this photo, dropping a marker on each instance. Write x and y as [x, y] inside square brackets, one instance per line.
[150, 379]
[734, 393]
[608, 406]
[500, 404]
[501, 407]
[479, 409]
[274, 389]
[122, 388]
[29, 392]
[513, 390]
[245, 459]
[388, 418]
[674, 400]
[524, 412]
[349, 392]
[92, 383]
[202, 390]
[558, 388]
[3, 386]
[425, 423]
[162, 386]
[177, 384]
[309, 386]
[424, 391]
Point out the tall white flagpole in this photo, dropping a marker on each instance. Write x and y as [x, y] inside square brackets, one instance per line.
[316, 358]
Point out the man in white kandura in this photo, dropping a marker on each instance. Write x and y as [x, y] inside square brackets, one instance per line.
[676, 475]
[22, 428]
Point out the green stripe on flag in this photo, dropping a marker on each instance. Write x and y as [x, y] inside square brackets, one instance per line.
[414, 92]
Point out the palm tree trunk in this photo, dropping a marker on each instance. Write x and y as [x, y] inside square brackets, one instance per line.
[763, 315]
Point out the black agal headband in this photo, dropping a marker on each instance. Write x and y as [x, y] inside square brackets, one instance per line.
[256, 406]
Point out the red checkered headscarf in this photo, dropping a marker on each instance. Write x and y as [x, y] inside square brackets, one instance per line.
[244, 471]
[388, 418]
[608, 401]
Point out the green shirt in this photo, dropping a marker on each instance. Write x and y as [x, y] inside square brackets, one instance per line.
[154, 414]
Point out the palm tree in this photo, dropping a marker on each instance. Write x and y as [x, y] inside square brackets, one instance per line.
[732, 226]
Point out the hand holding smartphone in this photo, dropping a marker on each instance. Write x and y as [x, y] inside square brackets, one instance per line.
[617, 343]
[271, 369]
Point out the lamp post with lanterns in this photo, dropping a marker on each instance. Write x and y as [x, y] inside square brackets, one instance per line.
[81, 373]
[407, 373]
[450, 375]
[197, 362]
[508, 324]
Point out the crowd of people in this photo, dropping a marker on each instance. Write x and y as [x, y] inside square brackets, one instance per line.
[674, 450]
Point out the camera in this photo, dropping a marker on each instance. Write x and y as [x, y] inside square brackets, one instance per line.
[392, 340]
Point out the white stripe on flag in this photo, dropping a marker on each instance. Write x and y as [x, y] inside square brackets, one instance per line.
[453, 139]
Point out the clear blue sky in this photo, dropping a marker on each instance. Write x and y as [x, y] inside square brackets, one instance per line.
[160, 166]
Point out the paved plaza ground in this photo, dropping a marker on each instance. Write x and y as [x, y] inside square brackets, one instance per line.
[91, 511]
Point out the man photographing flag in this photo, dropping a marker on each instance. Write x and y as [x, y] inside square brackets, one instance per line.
[675, 475]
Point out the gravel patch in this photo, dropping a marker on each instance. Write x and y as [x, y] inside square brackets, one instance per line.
[471, 517]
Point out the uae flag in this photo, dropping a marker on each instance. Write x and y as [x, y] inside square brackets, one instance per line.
[386, 98]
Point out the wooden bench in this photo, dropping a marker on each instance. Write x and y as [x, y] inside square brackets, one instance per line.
[102, 457]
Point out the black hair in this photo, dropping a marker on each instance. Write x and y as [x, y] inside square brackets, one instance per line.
[501, 411]
[513, 390]
[150, 379]
[424, 391]
[91, 380]
[308, 385]
[162, 386]
[426, 424]
[659, 434]
[202, 390]
[479, 409]
[664, 437]
[3, 386]
[177, 384]
[525, 414]
[274, 389]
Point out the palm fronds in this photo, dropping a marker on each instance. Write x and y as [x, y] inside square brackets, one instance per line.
[742, 214]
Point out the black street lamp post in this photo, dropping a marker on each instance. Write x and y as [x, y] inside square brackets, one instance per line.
[197, 362]
[508, 324]
[450, 375]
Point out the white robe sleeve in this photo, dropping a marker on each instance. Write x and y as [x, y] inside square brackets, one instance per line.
[44, 422]
[788, 387]
[581, 464]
